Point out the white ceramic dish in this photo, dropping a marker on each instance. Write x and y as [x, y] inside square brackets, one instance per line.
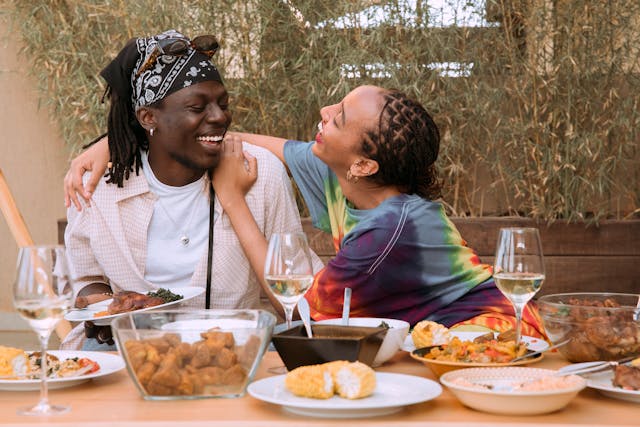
[534, 344]
[393, 340]
[187, 292]
[602, 381]
[393, 392]
[510, 402]
[109, 363]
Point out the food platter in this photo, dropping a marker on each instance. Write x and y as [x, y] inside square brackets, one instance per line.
[440, 367]
[602, 381]
[534, 344]
[393, 392]
[109, 363]
[187, 292]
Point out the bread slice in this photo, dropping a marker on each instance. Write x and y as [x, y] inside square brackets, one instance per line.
[427, 333]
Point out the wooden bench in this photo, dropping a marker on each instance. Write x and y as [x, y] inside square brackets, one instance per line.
[577, 257]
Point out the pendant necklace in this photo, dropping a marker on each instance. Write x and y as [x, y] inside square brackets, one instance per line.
[184, 236]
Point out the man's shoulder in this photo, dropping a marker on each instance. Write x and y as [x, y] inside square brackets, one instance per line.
[268, 163]
[108, 192]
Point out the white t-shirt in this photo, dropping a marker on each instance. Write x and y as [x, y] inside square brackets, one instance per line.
[180, 215]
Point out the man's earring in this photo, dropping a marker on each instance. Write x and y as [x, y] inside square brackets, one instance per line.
[151, 131]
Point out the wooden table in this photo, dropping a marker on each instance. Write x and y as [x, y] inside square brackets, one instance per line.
[114, 400]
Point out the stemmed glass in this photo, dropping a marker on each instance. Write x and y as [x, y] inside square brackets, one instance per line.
[42, 295]
[288, 270]
[518, 268]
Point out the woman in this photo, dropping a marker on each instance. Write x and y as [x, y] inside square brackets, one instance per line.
[164, 227]
[370, 180]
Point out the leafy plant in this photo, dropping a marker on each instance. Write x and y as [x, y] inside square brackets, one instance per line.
[537, 102]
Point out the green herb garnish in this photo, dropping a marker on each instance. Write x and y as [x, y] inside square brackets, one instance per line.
[166, 295]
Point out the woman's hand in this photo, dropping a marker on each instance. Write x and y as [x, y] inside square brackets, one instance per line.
[235, 174]
[94, 159]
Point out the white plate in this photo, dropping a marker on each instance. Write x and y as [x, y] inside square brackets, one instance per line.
[187, 292]
[109, 363]
[601, 381]
[534, 344]
[393, 392]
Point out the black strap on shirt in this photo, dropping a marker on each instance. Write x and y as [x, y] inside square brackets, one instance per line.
[212, 201]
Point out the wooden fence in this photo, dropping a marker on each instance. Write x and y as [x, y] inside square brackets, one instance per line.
[577, 257]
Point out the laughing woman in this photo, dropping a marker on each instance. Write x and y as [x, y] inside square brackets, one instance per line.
[369, 179]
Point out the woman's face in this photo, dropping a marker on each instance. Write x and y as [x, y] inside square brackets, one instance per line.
[189, 127]
[339, 142]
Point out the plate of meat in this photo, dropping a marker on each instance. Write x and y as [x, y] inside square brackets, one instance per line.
[102, 312]
[623, 382]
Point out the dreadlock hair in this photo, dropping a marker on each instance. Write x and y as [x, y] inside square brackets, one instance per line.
[405, 145]
[126, 139]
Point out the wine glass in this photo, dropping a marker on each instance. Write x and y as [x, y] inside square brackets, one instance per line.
[42, 295]
[518, 268]
[288, 270]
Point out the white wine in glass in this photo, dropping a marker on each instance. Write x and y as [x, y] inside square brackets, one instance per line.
[518, 268]
[42, 296]
[288, 269]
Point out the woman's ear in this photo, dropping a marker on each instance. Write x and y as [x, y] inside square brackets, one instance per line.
[364, 167]
[146, 118]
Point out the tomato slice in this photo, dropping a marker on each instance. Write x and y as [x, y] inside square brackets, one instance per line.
[88, 362]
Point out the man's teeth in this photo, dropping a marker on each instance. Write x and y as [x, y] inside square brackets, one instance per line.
[210, 138]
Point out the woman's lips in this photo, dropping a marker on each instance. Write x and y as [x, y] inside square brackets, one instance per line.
[319, 138]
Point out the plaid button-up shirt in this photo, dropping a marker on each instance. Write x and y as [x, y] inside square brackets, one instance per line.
[109, 239]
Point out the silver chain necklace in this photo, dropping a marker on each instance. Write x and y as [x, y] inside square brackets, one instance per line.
[184, 236]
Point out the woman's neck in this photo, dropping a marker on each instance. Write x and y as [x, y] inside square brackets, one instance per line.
[364, 195]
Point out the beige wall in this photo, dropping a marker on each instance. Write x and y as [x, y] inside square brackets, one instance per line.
[33, 159]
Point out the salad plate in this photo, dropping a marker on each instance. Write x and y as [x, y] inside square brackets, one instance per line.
[109, 363]
[393, 392]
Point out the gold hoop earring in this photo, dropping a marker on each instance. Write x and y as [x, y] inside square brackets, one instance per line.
[351, 177]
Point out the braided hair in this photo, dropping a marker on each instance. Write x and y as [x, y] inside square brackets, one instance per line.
[405, 145]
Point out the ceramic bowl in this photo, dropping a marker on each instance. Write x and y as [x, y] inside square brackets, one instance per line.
[440, 367]
[492, 389]
[329, 343]
[393, 341]
[192, 354]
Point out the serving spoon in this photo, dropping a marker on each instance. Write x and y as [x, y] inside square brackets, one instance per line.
[303, 310]
[346, 306]
[535, 353]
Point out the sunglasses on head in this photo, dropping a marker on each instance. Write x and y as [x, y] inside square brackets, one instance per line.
[178, 46]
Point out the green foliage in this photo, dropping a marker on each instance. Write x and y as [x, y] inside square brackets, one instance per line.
[544, 125]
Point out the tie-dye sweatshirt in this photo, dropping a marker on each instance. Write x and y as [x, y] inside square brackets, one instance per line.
[402, 259]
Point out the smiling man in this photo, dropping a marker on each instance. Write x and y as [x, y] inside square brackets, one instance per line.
[163, 226]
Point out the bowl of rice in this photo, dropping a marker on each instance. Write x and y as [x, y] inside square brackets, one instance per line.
[513, 390]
